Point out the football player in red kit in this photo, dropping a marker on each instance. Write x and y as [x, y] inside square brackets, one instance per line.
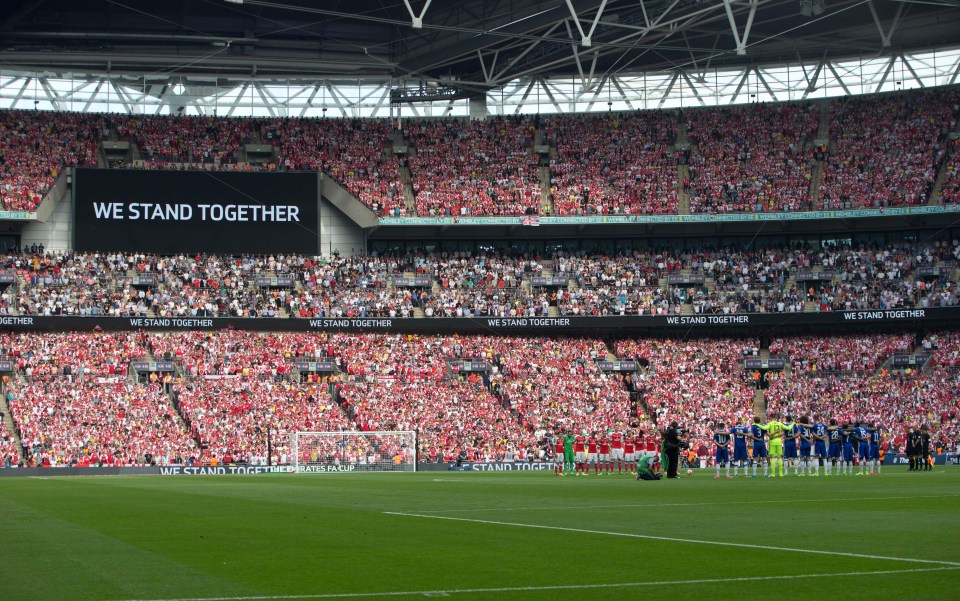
[605, 465]
[616, 451]
[580, 454]
[558, 451]
[593, 453]
[629, 452]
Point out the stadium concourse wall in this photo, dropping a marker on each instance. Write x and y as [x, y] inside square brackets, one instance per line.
[731, 325]
[240, 470]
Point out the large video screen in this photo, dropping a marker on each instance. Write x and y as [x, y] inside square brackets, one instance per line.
[169, 212]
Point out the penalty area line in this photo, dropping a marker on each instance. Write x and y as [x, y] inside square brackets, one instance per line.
[557, 587]
[673, 539]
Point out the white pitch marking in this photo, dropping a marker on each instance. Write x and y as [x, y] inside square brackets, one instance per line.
[558, 587]
[672, 539]
[644, 505]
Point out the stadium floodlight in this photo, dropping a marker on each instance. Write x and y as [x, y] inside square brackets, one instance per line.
[348, 451]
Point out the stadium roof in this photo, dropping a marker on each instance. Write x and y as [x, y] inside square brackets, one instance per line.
[475, 45]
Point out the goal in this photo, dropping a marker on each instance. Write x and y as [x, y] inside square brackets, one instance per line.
[354, 451]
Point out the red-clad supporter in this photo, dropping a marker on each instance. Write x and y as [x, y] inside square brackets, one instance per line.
[950, 187]
[34, 149]
[9, 450]
[620, 164]
[695, 382]
[480, 167]
[751, 158]
[357, 153]
[230, 415]
[840, 353]
[64, 422]
[74, 355]
[944, 348]
[165, 139]
[886, 149]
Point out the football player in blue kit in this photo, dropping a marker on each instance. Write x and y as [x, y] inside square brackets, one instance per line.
[847, 449]
[721, 438]
[835, 451]
[790, 448]
[740, 456]
[862, 439]
[757, 434]
[819, 445]
[876, 433]
[806, 446]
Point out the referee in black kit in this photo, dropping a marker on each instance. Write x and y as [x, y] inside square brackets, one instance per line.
[672, 443]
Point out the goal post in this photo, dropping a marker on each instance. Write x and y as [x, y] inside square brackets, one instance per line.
[315, 452]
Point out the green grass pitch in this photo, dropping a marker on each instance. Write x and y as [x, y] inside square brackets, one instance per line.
[486, 535]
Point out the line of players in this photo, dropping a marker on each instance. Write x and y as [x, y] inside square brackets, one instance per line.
[801, 445]
[606, 452]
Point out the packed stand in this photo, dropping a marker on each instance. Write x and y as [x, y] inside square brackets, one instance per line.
[622, 164]
[73, 355]
[751, 158]
[164, 140]
[232, 415]
[698, 383]
[68, 423]
[950, 187]
[357, 153]
[36, 146]
[479, 167]
[886, 149]
[840, 353]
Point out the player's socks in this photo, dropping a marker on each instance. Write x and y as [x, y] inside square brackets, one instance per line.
[766, 469]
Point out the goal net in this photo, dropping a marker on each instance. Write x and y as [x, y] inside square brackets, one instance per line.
[354, 451]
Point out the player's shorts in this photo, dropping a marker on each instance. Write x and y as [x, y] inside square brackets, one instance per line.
[605, 457]
[848, 452]
[630, 457]
[759, 450]
[593, 457]
[834, 451]
[863, 450]
[581, 457]
[776, 449]
[568, 457]
[616, 454]
[740, 453]
[805, 449]
[874, 452]
[723, 455]
[790, 450]
[820, 448]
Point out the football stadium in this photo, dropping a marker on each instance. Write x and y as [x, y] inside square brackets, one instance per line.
[479, 299]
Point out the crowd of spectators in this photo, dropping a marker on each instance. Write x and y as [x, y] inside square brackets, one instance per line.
[698, 383]
[886, 149]
[232, 415]
[64, 422]
[751, 158]
[477, 167]
[73, 403]
[617, 164]
[950, 187]
[815, 354]
[459, 284]
[34, 149]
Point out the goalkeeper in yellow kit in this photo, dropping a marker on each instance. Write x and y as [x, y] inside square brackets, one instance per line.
[775, 429]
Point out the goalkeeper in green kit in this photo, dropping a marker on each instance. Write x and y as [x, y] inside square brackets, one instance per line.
[568, 461]
[775, 430]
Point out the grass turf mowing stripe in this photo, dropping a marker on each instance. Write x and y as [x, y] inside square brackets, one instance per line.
[557, 587]
[672, 539]
[651, 505]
